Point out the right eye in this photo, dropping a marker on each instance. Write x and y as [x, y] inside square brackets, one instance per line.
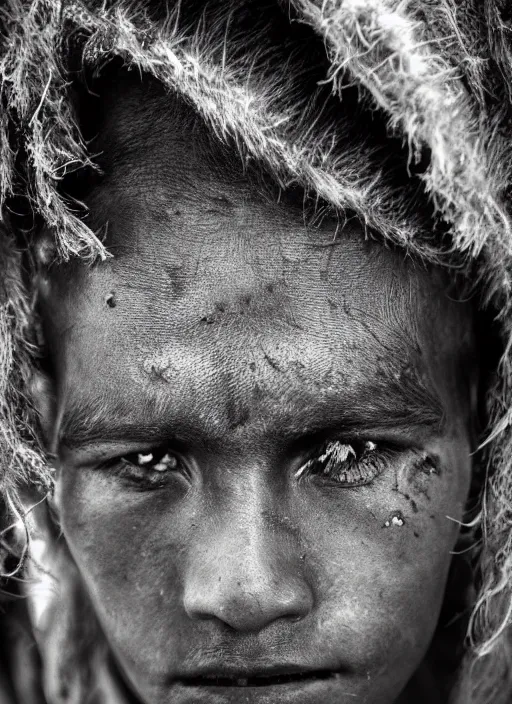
[149, 469]
[154, 460]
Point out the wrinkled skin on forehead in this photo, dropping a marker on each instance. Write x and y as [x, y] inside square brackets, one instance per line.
[238, 339]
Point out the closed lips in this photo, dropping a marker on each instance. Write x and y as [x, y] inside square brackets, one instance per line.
[256, 680]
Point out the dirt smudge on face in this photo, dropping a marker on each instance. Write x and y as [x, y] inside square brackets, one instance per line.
[272, 362]
[174, 273]
[418, 475]
[159, 366]
[425, 468]
[412, 502]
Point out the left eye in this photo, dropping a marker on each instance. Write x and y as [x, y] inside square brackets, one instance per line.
[347, 465]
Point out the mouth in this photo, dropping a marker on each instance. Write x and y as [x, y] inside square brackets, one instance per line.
[257, 679]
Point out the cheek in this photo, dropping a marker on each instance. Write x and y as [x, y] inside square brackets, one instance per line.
[129, 548]
[381, 556]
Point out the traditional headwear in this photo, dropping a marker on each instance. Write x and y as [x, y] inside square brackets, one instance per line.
[421, 92]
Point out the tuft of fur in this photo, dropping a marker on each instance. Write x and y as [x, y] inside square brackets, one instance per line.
[37, 119]
[382, 44]
[22, 462]
[435, 75]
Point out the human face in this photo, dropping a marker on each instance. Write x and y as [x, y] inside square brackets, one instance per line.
[261, 437]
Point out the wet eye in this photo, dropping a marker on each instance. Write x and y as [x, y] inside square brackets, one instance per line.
[347, 465]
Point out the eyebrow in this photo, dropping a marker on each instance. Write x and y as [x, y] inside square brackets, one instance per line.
[395, 401]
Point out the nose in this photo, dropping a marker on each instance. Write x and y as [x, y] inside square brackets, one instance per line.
[246, 576]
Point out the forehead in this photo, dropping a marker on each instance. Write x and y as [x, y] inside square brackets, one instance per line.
[218, 288]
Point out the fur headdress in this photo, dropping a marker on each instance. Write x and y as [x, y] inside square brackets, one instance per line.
[281, 80]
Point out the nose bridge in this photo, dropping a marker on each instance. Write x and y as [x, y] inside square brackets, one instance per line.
[245, 570]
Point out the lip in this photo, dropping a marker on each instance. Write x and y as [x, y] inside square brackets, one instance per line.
[256, 667]
[286, 685]
[276, 676]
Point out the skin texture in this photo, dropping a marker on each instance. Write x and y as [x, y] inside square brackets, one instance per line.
[240, 339]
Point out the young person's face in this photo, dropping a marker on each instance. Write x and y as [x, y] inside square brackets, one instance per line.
[263, 439]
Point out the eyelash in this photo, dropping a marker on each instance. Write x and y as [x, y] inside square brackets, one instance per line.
[347, 465]
[343, 464]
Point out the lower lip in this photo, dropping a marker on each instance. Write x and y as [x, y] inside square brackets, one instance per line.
[309, 691]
